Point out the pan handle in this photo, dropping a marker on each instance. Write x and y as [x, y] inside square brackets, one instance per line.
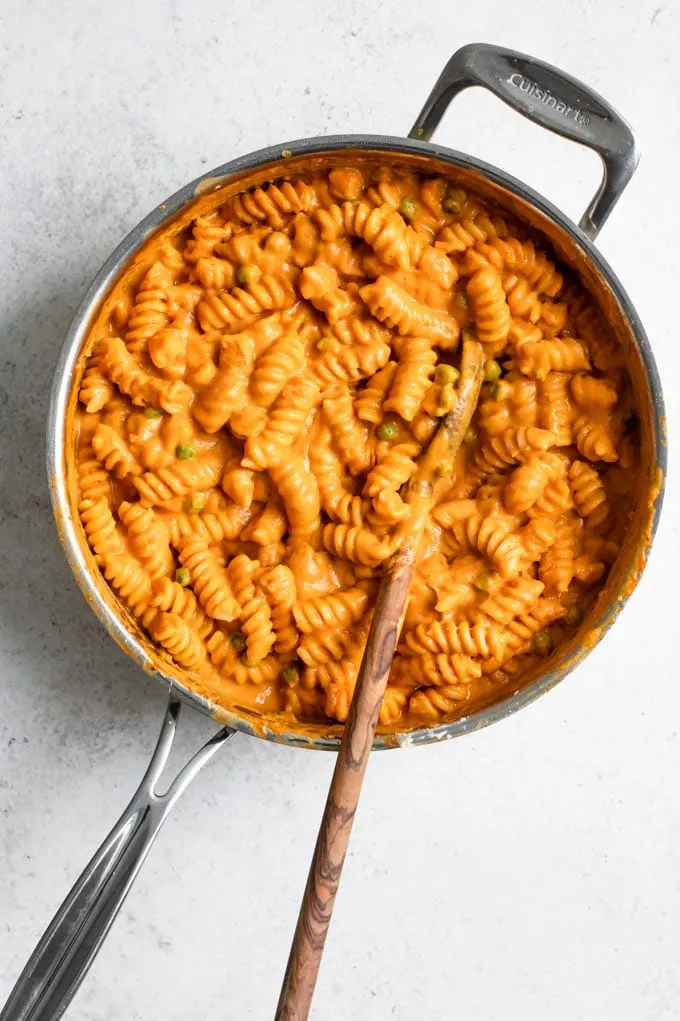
[548, 97]
[65, 952]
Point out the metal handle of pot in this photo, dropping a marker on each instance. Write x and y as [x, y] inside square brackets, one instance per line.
[550, 98]
[65, 952]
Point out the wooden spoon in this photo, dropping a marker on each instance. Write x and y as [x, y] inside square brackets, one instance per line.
[343, 796]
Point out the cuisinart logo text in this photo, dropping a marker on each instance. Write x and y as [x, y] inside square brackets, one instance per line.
[519, 81]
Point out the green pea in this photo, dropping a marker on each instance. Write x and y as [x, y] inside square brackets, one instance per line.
[237, 640]
[492, 370]
[184, 452]
[483, 582]
[574, 616]
[543, 643]
[454, 200]
[444, 469]
[195, 503]
[248, 274]
[152, 413]
[182, 576]
[446, 374]
[388, 430]
[470, 435]
[408, 208]
[291, 675]
[247, 664]
[324, 344]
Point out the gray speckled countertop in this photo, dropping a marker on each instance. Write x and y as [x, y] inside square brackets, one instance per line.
[531, 870]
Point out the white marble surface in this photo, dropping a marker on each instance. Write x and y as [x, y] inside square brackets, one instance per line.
[530, 871]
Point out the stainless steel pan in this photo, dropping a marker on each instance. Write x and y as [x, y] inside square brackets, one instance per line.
[549, 98]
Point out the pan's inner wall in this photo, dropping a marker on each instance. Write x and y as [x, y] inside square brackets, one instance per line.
[208, 196]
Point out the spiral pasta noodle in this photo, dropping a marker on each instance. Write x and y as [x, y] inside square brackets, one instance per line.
[278, 585]
[334, 611]
[510, 600]
[94, 482]
[171, 597]
[395, 307]
[100, 527]
[489, 308]
[230, 308]
[369, 404]
[556, 499]
[523, 301]
[299, 491]
[537, 536]
[412, 378]
[148, 537]
[271, 204]
[381, 227]
[255, 613]
[149, 313]
[321, 286]
[521, 631]
[356, 544]
[268, 526]
[207, 232]
[456, 238]
[336, 496]
[594, 439]
[492, 536]
[339, 679]
[511, 447]
[527, 483]
[96, 390]
[282, 360]
[556, 413]
[178, 479]
[350, 364]
[362, 332]
[140, 386]
[521, 256]
[175, 635]
[557, 563]
[285, 423]
[590, 496]
[129, 579]
[350, 435]
[111, 449]
[209, 581]
[540, 358]
[480, 639]
[227, 523]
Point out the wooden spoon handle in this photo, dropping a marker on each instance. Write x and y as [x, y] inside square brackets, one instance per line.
[336, 825]
[343, 796]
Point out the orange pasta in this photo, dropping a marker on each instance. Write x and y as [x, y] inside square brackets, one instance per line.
[253, 402]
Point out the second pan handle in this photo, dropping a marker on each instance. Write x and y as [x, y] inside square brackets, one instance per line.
[59, 962]
[548, 97]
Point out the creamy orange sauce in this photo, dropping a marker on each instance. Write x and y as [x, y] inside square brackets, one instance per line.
[255, 396]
